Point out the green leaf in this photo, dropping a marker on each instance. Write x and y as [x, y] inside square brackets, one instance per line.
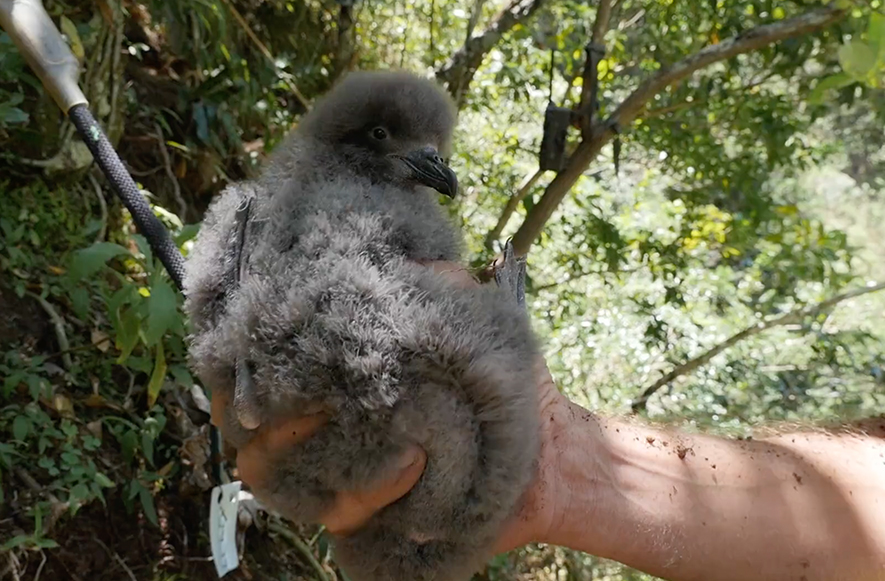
[162, 311]
[14, 542]
[45, 544]
[147, 502]
[127, 334]
[128, 443]
[79, 492]
[837, 81]
[202, 122]
[857, 59]
[147, 447]
[88, 261]
[142, 244]
[103, 480]
[876, 36]
[80, 303]
[21, 427]
[12, 381]
[13, 115]
[188, 232]
[69, 29]
[157, 377]
[182, 375]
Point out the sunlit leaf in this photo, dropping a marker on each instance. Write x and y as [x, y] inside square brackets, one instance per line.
[857, 59]
[89, 260]
[157, 377]
[162, 311]
[103, 480]
[836, 81]
[70, 30]
[876, 35]
[127, 334]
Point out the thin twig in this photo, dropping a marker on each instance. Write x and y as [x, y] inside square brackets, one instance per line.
[474, 19]
[78, 348]
[302, 548]
[102, 203]
[58, 507]
[661, 111]
[263, 49]
[513, 203]
[459, 70]
[794, 317]
[12, 567]
[40, 567]
[167, 163]
[142, 173]
[116, 557]
[432, 49]
[584, 274]
[59, 325]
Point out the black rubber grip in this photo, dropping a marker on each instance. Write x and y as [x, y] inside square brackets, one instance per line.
[124, 186]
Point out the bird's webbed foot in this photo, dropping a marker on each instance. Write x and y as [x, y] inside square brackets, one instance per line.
[510, 273]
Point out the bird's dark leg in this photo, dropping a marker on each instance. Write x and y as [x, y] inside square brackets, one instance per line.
[510, 273]
[245, 402]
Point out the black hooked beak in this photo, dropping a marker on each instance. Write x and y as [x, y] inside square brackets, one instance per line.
[429, 169]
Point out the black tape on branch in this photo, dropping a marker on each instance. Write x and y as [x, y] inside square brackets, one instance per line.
[556, 123]
[148, 224]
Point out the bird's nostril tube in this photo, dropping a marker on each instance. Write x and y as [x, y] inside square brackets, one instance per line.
[438, 159]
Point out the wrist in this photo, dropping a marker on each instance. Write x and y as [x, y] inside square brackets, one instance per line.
[576, 478]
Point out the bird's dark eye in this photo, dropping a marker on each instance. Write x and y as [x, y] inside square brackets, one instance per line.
[379, 133]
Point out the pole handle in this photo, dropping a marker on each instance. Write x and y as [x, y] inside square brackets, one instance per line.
[44, 49]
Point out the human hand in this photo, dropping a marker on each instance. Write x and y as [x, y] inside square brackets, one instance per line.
[352, 509]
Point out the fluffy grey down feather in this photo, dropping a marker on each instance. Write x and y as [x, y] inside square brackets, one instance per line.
[332, 312]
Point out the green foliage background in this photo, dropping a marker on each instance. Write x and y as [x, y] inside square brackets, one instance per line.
[751, 189]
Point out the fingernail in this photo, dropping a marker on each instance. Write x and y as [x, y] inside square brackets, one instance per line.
[410, 458]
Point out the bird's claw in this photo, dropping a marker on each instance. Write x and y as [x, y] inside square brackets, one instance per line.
[510, 273]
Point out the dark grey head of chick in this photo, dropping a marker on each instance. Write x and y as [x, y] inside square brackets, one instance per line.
[392, 127]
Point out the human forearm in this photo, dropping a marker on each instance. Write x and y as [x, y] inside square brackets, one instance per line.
[684, 507]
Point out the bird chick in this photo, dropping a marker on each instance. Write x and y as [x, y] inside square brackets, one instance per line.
[306, 294]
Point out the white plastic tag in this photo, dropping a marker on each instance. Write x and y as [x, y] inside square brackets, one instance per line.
[223, 527]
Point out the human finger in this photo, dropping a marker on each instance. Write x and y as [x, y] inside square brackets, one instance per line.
[456, 273]
[352, 509]
[253, 458]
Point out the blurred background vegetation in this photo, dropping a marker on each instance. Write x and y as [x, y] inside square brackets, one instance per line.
[708, 255]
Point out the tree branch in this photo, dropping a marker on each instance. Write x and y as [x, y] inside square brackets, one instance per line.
[510, 208]
[264, 51]
[794, 317]
[631, 107]
[458, 72]
[344, 50]
[474, 19]
[595, 51]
